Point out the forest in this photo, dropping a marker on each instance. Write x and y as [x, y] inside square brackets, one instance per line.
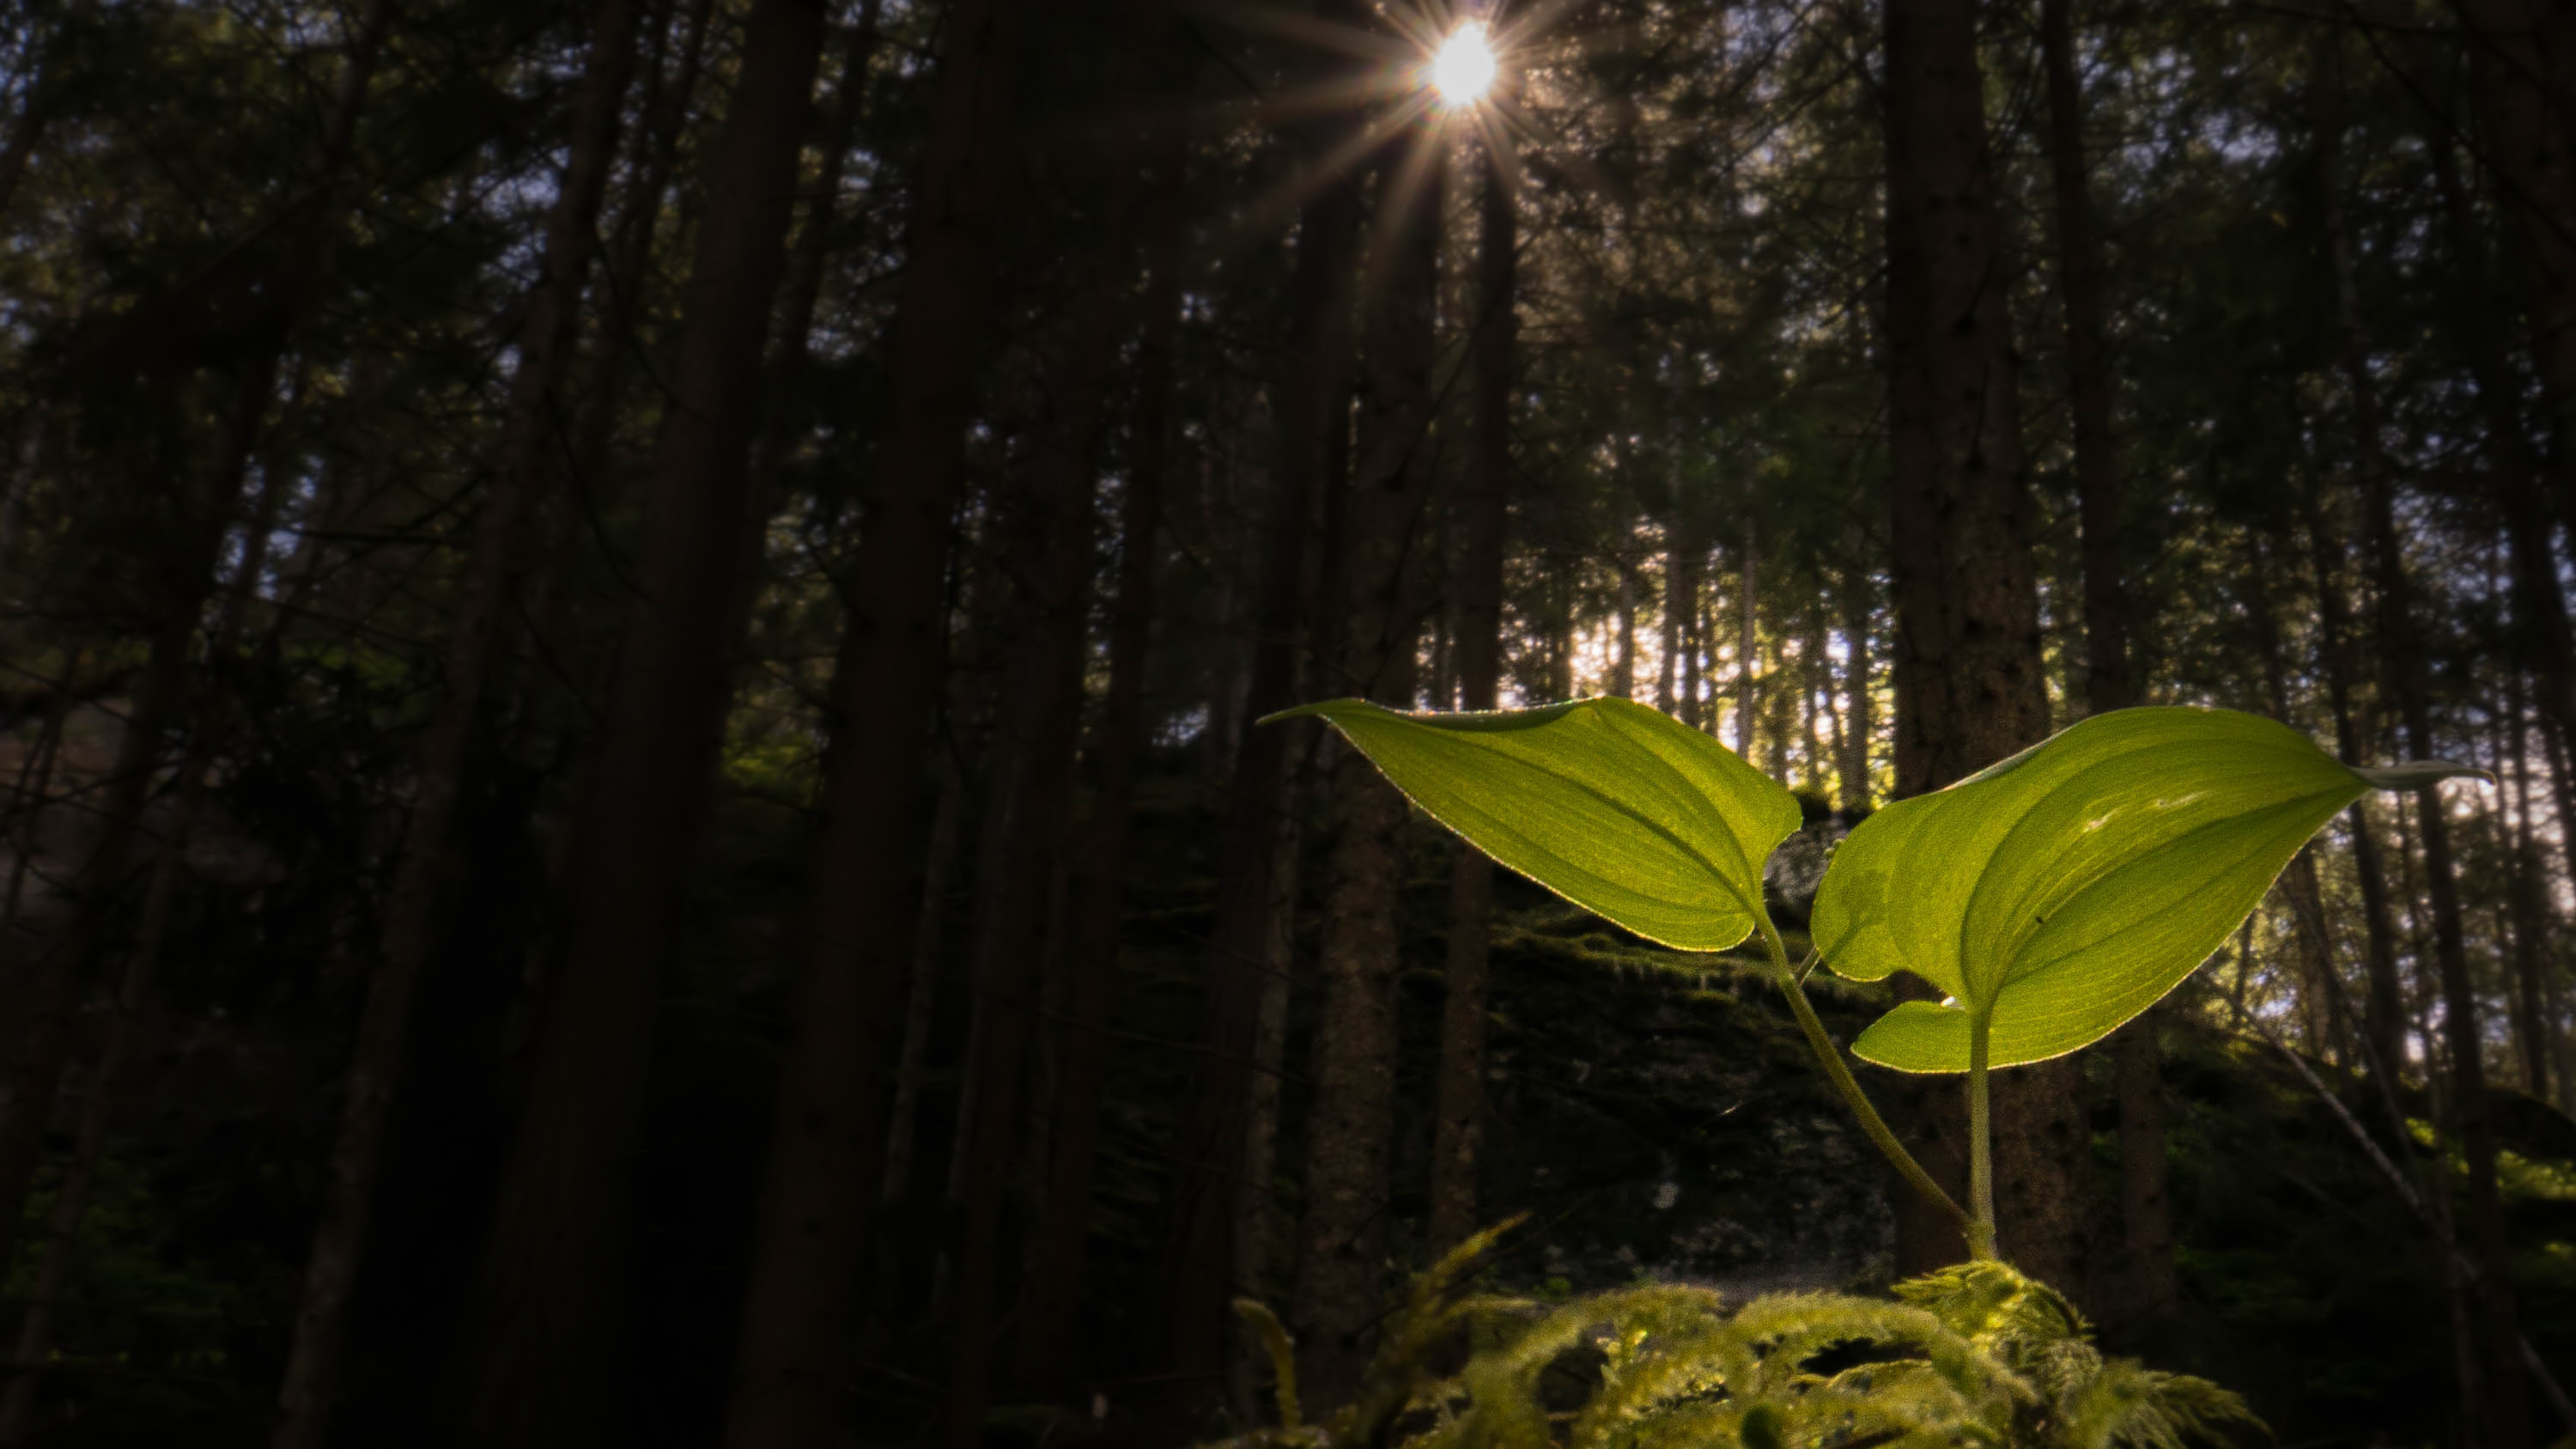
[642, 795]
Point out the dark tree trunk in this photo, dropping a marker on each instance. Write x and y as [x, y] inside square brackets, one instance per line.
[1196, 1283]
[1341, 1270]
[545, 1326]
[2306, 890]
[2504, 1408]
[2527, 142]
[202, 509]
[1859, 716]
[1969, 684]
[1748, 651]
[2528, 909]
[1479, 590]
[2383, 1009]
[1027, 831]
[1682, 561]
[1970, 687]
[1065, 1235]
[51, 986]
[311, 1382]
[791, 360]
[824, 1166]
[2540, 635]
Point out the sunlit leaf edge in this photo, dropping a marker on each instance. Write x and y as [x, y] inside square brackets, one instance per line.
[1746, 899]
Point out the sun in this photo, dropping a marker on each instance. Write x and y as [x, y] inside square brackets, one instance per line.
[1463, 69]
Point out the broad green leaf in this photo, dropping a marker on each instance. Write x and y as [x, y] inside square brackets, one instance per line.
[1624, 811]
[2064, 890]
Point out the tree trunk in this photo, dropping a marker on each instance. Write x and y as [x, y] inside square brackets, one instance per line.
[1479, 587]
[1341, 1270]
[143, 960]
[595, 471]
[1968, 673]
[1667, 698]
[2383, 1009]
[2504, 1406]
[2539, 629]
[1970, 686]
[1065, 1234]
[1196, 1283]
[2503, 1403]
[791, 362]
[1026, 835]
[202, 513]
[311, 1382]
[1623, 669]
[546, 1327]
[1748, 648]
[2530, 911]
[27, 797]
[2306, 890]
[2528, 906]
[2527, 143]
[1256, 1194]
[2080, 285]
[826, 1145]
[53, 983]
[1859, 714]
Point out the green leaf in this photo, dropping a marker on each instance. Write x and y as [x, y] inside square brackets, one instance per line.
[1624, 811]
[2067, 889]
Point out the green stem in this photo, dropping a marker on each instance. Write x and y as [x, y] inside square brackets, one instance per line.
[1981, 1150]
[1831, 1057]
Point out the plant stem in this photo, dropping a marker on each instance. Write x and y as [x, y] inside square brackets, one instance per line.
[1871, 1123]
[1981, 1150]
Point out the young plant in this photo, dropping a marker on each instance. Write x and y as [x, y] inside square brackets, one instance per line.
[2051, 897]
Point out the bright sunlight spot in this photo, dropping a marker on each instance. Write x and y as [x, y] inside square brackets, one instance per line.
[1464, 67]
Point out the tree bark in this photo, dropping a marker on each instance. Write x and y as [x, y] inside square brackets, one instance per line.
[2503, 1402]
[1683, 558]
[2527, 905]
[545, 1314]
[1065, 1235]
[1196, 1282]
[311, 1382]
[2306, 891]
[1623, 669]
[1026, 833]
[2539, 630]
[791, 362]
[1859, 713]
[1479, 589]
[2527, 144]
[1341, 1271]
[2383, 1008]
[1748, 649]
[54, 982]
[1970, 687]
[819, 1187]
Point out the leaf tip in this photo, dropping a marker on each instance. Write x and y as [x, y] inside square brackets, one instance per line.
[1320, 709]
[2417, 774]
